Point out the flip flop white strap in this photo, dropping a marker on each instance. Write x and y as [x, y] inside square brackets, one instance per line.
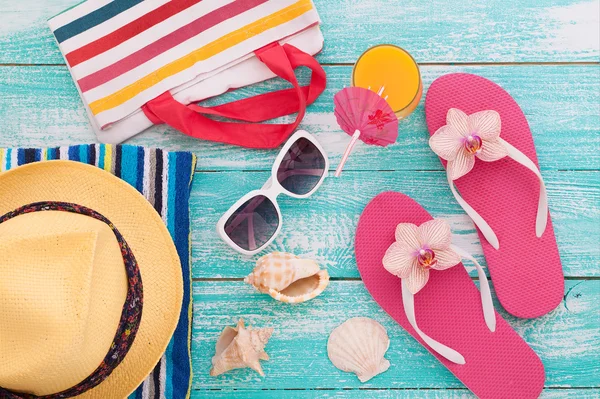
[541, 220]
[489, 314]
[483, 226]
[542, 212]
[408, 300]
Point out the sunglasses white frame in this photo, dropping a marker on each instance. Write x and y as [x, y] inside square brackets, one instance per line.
[272, 189]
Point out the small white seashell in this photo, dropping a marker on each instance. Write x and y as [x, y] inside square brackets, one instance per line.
[358, 346]
[287, 278]
[240, 347]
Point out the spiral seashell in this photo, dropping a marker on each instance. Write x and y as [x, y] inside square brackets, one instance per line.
[240, 347]
[288, 278]
[358, 346]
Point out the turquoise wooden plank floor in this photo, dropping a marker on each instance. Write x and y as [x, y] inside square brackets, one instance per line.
[546, 53]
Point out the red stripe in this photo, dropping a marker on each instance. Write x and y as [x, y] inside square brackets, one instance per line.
[167, 42]
[128, 31]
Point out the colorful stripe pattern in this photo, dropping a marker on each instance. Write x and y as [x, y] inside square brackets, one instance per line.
[124, 53]
[164, 178]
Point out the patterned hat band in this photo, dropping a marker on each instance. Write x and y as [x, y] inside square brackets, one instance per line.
[131, 315]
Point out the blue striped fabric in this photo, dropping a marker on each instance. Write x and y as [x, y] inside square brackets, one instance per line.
[94, 18]
[164, 178]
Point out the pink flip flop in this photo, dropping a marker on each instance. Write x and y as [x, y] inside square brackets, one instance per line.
[436, 301]
[483, 139]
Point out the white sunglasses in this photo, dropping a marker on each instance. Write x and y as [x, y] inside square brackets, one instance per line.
[253, 222]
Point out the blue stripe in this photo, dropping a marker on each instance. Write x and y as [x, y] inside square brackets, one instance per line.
[92, 154]
[38, 154]
[171, 193]
[8, 157]
[20, 156]
[52, 153]
[101, 156]
[83, 153]
[137, 394]
[169, 371]
[140, 169]
[180, 356]
[94, 18]
[129, 164]
[170, 354]
[74, 153]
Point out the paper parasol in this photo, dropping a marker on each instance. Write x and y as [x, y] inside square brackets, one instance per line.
[363, 114]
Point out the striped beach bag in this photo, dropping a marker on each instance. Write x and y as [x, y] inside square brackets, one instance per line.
[137, 63]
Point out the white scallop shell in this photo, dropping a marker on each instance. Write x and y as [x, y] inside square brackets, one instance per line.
[288, 278]
[358, 346]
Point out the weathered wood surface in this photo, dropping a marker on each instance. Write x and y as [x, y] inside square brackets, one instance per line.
[566, 339]
[433, 31]
[40, 105]
[546, 53]
[385, 394]
[323, 226]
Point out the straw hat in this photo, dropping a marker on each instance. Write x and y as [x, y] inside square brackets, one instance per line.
[66, 275]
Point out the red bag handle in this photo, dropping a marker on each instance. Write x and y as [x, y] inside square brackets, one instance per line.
[282, 60]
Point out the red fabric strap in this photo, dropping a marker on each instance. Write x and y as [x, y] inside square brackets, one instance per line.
[282, 60]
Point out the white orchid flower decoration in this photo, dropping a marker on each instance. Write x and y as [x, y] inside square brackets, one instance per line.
[465, 137]
[418, 249]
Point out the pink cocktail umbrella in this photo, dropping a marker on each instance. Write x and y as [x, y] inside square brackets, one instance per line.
[363, 114]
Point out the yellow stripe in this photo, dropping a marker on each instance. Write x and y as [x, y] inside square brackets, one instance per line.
[44, 155]
[2, 162]
[108, 157]
[236, 37]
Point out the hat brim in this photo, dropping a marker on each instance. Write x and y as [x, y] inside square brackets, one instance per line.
[144, 231]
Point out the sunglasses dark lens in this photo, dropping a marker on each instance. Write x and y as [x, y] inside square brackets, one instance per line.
[253, 223]
[302, 167]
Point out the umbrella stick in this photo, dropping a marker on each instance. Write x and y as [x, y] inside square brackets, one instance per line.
[355, 136]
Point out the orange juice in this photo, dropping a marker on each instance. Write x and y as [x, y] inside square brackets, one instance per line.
[394, 69]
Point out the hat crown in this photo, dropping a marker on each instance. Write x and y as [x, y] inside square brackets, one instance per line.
[62, 289]
[160, 270]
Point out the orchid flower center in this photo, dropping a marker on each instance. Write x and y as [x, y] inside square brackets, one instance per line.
[473, 143]
[426, 258]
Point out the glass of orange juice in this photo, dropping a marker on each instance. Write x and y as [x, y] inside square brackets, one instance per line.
[394, 70]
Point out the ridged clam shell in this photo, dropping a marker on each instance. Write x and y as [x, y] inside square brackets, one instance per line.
[358, 346]
[288, 278]
[240, 347]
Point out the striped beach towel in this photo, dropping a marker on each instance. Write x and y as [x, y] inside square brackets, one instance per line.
[124, 53]
[164, 178]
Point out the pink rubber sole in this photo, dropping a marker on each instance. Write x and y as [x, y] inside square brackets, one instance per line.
[499, 364]
[526, 270]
